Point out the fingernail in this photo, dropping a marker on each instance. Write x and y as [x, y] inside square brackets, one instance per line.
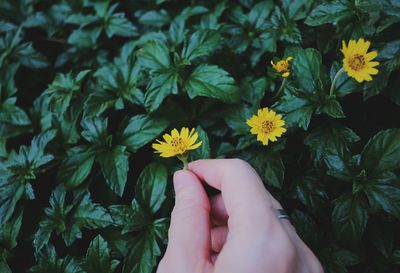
[179, 179]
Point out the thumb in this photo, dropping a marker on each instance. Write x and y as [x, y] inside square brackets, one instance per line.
[189, 233]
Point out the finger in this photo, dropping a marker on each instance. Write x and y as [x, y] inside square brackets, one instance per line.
[246, 200]
[189, 233]
[285, 222]
[218, 238]
[219, 215]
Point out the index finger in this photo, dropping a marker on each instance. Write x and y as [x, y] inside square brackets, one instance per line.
[247, 202]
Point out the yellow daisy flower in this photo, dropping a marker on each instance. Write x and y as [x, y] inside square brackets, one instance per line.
[357, 61]
[267, 125]
[177, 144]
[282, 67]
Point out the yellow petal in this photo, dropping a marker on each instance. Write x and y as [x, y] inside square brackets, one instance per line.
[167, 138]
[174, 133]
[352, 46]
[372, 64]
[195, 146]
[184, 133]
[372, 71]
[192, 139]
[363, 47]
[344, 48]
[371, 55]
[359, 78]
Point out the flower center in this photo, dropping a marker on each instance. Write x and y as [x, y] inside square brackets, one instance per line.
[283, 66]
[267, 126]
[177, 144]
[357, 62]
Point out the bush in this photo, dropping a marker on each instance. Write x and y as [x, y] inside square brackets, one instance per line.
[87, 86]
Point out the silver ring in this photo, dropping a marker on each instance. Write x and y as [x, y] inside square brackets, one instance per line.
[281, 214]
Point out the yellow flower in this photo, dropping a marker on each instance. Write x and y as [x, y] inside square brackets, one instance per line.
[176, 143]
[357, 62]
[267, 125]
[282, 67]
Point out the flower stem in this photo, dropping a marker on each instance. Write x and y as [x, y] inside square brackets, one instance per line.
[184, 159]
[340, 72]
[281, 88]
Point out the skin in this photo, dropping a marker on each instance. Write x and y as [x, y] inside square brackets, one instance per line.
[236, 231]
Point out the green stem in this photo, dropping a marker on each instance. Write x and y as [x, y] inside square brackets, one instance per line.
[281, 88]
[184, 159]
[340, 72]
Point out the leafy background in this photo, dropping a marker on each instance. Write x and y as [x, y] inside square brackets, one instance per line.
[85, 86]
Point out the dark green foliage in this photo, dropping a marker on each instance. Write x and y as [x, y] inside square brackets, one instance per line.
[87, 86]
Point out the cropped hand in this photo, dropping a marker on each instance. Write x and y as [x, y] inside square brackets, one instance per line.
[236, 231]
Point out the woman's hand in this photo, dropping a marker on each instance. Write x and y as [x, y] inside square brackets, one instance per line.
[236, 231]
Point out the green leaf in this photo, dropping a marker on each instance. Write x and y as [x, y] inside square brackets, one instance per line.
[384, 194]
[269, 166]
[88, 214]
[297, 110]
[306, 228]
[214, 82]
[330, 139]
[382, 152]
[144, 248]
[117, 84]
[143, 253]
[98, 102]
[157, 18]
[18, 169]
[11, 113]
[150, 187]
[98, 258]
[29, 159]
[344, 84]
[159, 88]
[3, 262]
[7, 83]
[62, 90]
[155, 56]
[164, 78]
[10, 192]
[331, 107]
[84, 38]
[9, 232]
[343, 167]
[201, 43]
[68, 219]
[130, 218]
[176, 31]
[328, 13]
[76, 166]
[311, 191]
[117, 24]
[259, 13]
[349, 218]
[142, 129]
[30, 57]
[48, 262]
[204, 151]
[114, 165]
[236, 116]
[95, 130]
[298, 9]
[308, 69]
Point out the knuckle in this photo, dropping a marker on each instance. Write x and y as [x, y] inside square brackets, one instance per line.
[239, 163]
